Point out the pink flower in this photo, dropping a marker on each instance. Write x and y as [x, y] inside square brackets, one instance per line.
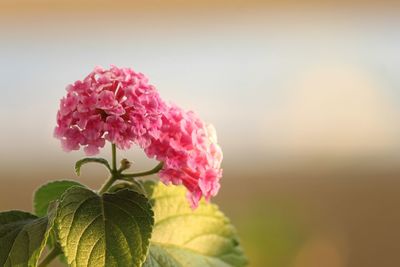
[106, 100]
[120, 106]
[117, 105]
[190, 154]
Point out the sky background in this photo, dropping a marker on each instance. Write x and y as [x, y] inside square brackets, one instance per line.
[298, 91]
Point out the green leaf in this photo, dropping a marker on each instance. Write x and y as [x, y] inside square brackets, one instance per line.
[48, 193]
[183, 237]
[108, 230]
[133, 185]
[23, 237]
[83, 161]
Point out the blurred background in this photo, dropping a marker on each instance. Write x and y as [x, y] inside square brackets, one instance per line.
[304, 95]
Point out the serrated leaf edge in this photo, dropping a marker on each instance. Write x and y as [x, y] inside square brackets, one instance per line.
[45, 185]
[145, 255]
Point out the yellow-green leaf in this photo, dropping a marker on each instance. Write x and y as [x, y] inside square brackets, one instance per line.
[183, 237]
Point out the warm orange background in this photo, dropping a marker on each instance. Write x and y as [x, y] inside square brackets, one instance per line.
[304, 95]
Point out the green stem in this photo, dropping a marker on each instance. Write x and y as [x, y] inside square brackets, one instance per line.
[116, 174]
[114, 157]
[50, 257]
[145, 173]
[107, 184]
[114, 171]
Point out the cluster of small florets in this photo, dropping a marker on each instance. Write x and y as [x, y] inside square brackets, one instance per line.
[120, 106]
[190, 154]
[117, 105]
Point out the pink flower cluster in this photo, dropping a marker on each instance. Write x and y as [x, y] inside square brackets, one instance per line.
[118, 105]
[190, 154]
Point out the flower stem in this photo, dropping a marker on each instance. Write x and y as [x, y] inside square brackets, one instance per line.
[107, 184]
[114, 157]
[114, 171]
[50, 257]
[116, 174]
[145, 173]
